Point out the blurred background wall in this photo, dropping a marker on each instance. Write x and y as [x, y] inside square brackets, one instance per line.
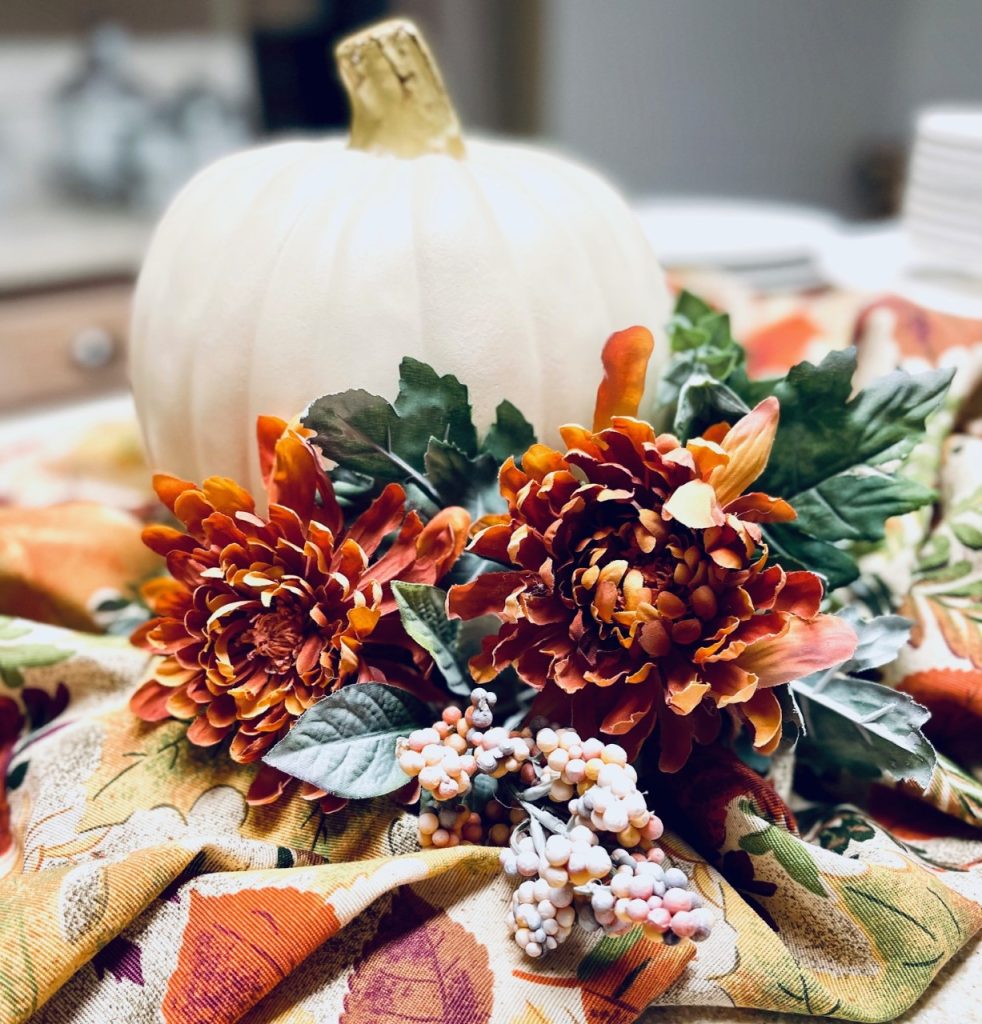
[765, 98]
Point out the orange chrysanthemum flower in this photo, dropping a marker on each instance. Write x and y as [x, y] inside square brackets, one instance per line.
[266, 614]
[639, 589]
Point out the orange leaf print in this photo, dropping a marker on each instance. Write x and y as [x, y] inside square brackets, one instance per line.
[421, 967]
[620, 977]
[237, 946]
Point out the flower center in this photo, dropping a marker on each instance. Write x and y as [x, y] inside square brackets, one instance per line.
[277, 636]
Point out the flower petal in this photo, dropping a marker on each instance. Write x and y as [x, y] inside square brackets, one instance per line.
[625, 358]
[801, 595]
[763, 711]
[694, 505]
[490, 594]
[809, 645]
[758, 507]
[268, 786]
[149, 703]
[748, 443]
[170, 488]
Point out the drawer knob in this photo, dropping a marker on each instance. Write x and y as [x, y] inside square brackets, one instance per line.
[93, 348]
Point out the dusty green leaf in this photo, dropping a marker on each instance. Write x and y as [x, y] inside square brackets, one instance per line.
[346, 743]
[423, 612]
[880, 641]
[861, 726]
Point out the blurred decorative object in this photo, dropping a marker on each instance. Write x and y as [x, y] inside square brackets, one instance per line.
[943, 203]
[878, 172]
[120, 143]
[84, 451]
[197, 127]
[53, 559]
[297, 88]
[312, 266]
[765, 246]
[99, 109]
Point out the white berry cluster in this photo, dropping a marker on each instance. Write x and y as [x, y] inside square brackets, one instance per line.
[541, 916]
[599, 866]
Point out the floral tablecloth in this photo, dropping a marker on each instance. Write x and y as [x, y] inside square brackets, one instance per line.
[137, 885]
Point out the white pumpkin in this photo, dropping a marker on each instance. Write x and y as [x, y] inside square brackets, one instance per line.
[306, 268]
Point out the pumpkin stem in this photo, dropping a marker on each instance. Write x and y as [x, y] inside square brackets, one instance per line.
[399, 105]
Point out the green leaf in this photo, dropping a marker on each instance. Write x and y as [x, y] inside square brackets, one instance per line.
[355, 429]
[822, 459]
[835, 457]
[446, 468]
[690, 307]
[861, 726]
[14, 658]
[428, 406]
[16, 776]
[823, 432]
[510, 434]
[426, 441]
[702, 346]
[790, 852]
[423, 612]
[795, 549]
[854, 505]
[346, 743]
[703, 401]
[461, 480]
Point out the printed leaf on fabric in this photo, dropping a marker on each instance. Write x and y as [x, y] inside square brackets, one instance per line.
[346, 743]
[16, 658]
[789, 851]
[237, 946]
[422, 966]
[620, 976]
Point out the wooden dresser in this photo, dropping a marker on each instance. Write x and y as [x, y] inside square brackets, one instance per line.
[63, 343]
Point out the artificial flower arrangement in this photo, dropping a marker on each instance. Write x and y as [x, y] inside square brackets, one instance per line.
[524, 636]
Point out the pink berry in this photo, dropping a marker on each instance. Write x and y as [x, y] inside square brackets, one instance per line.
[683, 925]
[677, 901]
[659, 918]
[653, 829]
[637, 910]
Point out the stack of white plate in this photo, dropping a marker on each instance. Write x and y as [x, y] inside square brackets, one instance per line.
[943, 201]
[769, 247]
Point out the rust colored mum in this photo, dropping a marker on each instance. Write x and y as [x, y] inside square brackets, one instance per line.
[639, 591]
[266, 614]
